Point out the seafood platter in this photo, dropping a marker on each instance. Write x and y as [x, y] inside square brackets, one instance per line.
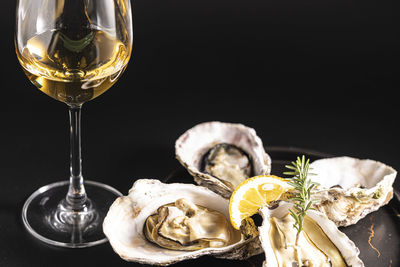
[354, 220]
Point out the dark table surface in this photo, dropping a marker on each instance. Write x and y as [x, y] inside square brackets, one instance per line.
[314, 74]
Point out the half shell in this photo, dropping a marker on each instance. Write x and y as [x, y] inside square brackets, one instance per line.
[191, 147]
[124, 223]
[349, 252]
[351, 188]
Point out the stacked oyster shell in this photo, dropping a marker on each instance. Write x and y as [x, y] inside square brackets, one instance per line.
[139, 225]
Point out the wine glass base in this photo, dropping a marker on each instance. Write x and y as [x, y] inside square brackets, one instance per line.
[44, 217]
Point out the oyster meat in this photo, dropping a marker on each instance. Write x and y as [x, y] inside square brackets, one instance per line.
[228, 163]
[351, 188]
[319, 244]
[185, 226]
[221, 155]
[162, 224]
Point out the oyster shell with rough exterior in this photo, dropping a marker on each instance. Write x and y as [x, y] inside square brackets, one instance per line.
[319, 244]
[351, 188]
[161, 224]
[220, 155]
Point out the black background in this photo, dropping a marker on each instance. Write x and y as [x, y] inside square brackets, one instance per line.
[314, 74]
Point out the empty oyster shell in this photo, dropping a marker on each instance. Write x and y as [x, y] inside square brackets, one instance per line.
[319, 244]
[220, 155]
[126, 218]
[351, 188]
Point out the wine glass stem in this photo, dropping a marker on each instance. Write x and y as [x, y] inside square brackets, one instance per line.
[76, 196]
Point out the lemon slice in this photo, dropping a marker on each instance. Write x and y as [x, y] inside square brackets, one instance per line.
[252, 194]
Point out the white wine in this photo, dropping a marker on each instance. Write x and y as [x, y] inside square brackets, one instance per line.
[74, 71]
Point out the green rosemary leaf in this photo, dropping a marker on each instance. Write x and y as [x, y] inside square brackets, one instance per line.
[294, 215]
[290, 167]
[297, 199]
[297, 208]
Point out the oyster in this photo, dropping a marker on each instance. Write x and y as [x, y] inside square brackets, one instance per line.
[149, 200]
[319, 244]
[221, 155]
[351, 188]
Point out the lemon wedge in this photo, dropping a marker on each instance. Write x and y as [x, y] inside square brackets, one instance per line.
[252, 194]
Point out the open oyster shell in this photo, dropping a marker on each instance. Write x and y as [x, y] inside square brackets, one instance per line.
[125, 220]
[193, 145]
[351, 188]
[348, 252]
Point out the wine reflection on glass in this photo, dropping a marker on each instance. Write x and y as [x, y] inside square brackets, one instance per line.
[73, 51]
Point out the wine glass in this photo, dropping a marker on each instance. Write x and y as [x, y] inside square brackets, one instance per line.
[73, 51]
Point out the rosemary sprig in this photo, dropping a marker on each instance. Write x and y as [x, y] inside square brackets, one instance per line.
[301, 198]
